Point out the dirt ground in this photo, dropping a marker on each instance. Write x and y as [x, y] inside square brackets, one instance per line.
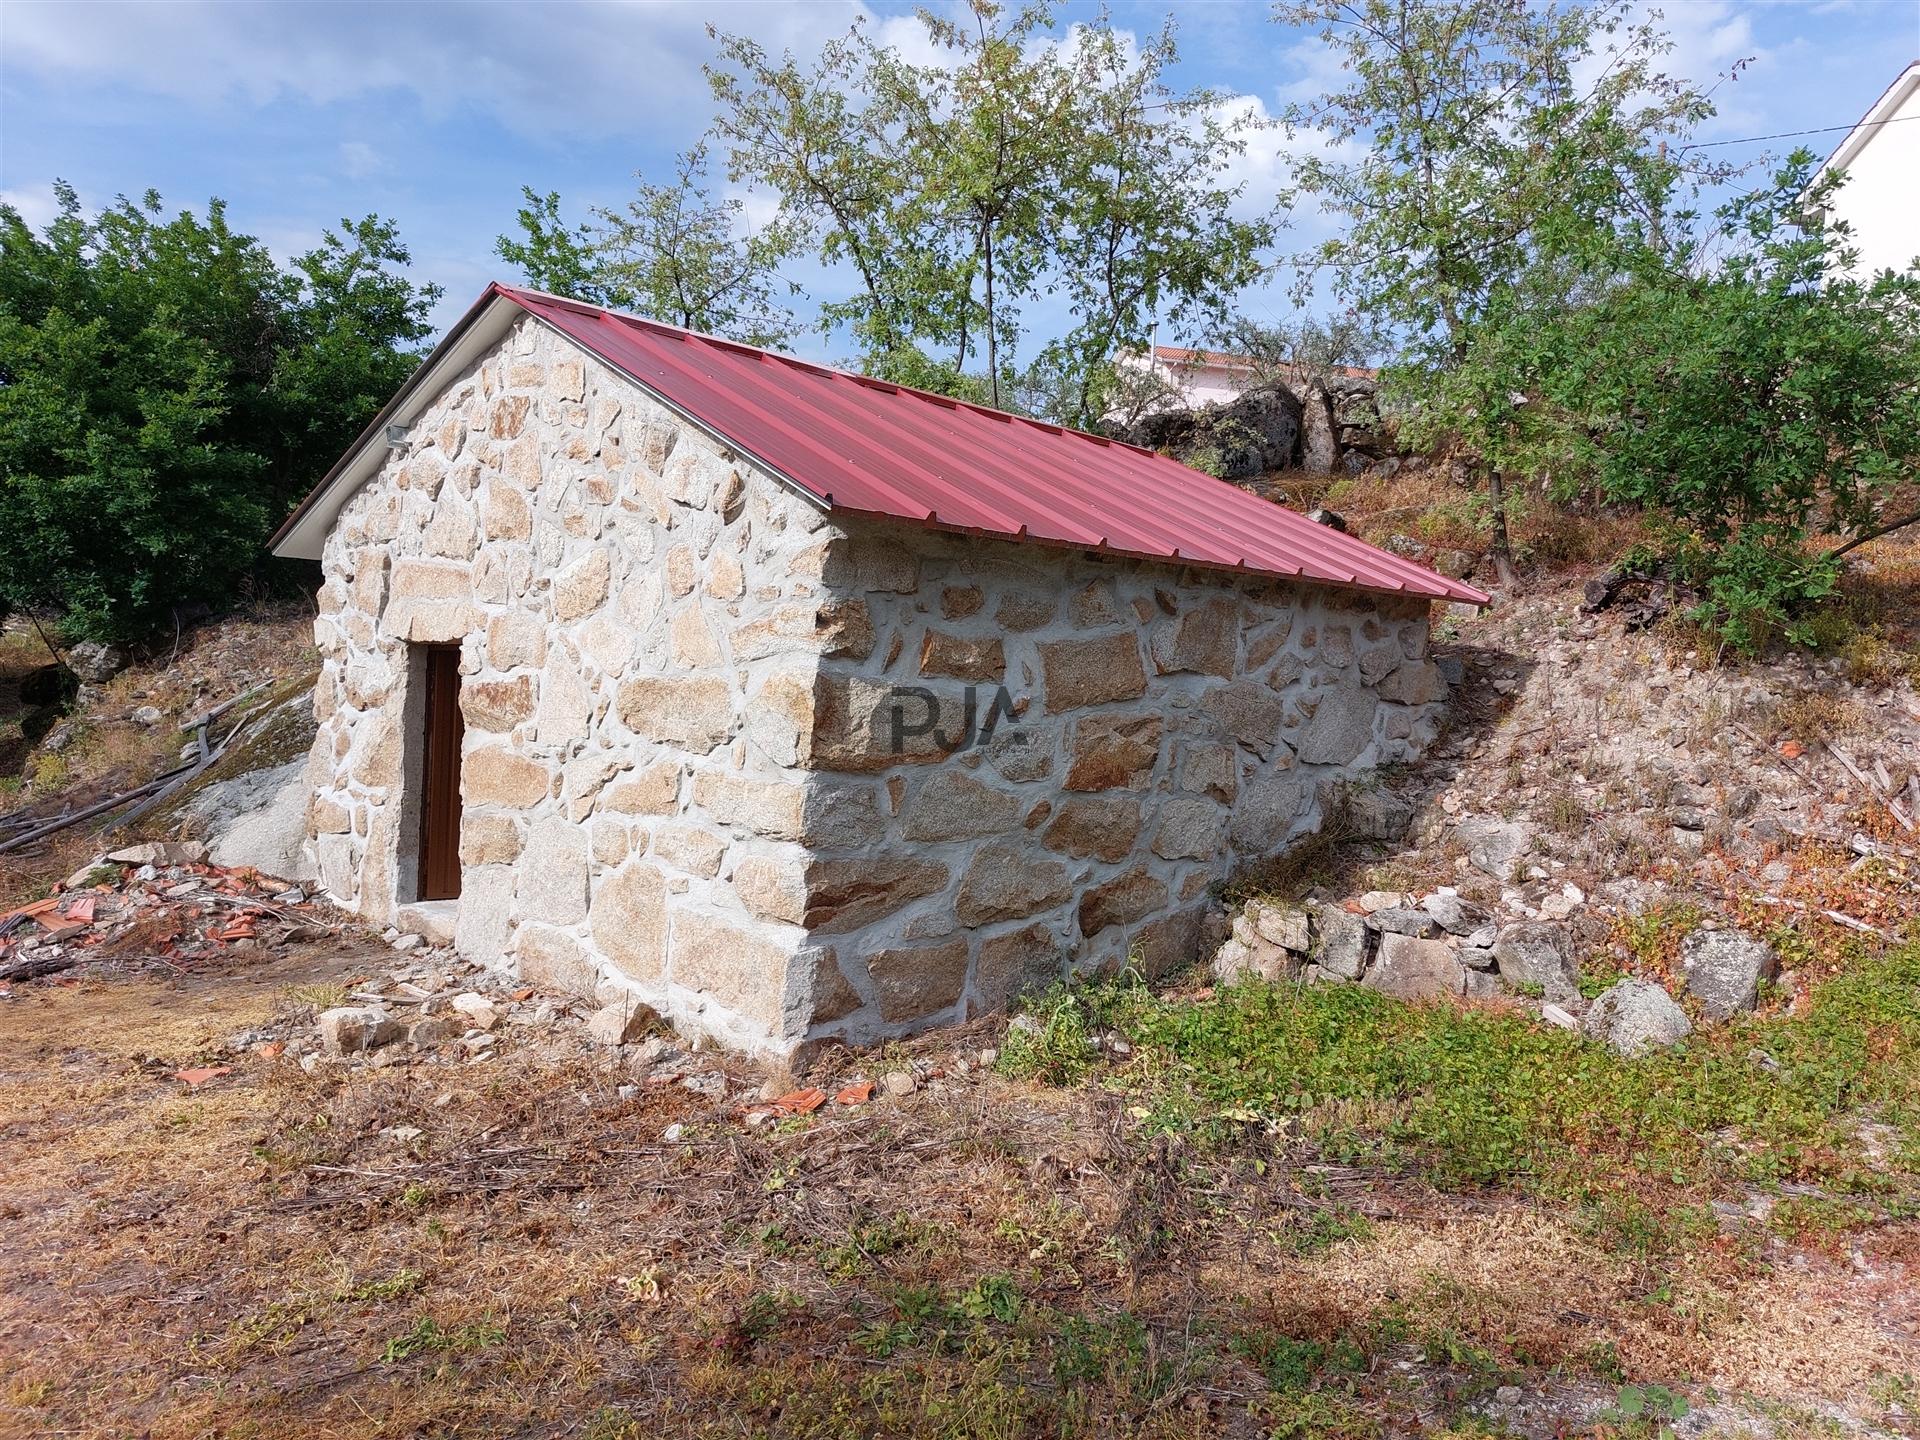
[521, 1246]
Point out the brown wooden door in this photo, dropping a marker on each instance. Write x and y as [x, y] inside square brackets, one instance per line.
[440, 776]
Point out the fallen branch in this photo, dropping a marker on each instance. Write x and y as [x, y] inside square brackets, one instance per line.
[1835, 916]
[43, 965]
[1892, 805]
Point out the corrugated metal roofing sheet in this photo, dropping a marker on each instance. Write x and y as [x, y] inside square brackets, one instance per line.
[867, 447]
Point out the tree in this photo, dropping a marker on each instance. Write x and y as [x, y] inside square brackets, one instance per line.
[674, 253]
[1309, 350]
[1758, 403]
[554, 256]
[962, 192]
[167, 393]
[1512, 152]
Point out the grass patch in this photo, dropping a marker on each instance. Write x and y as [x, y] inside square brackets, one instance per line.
[1474, 1098]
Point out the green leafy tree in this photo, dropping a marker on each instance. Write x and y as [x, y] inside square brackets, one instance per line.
[167, 393]
[1510, 155]
[674, 252]
[1767, 403]
[959, 193]
[555, 256]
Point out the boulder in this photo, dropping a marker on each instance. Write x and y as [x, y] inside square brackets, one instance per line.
[96, 663]
[1345, 943]
[258, 819]
[1416, 969]
[620, 1022]
[1256, 432]
[1722, 970]
[1636, 1016]
[1319, 442]
[1251, 953]
[1537, 953]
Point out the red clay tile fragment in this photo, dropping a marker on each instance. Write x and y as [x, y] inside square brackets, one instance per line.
[858, 1093]
[202, 1074]
[800, 1102]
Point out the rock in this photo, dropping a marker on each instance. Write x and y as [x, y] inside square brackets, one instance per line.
[1287, 926]
[1248, 956]
[161, 852]
[899, 1083]
[1538, 954]
[1332, 519]
[1381, 900]
[1416, 969]
[1636, 1016]
[476, 1009]
[96, 663]
[354, 1029]
[432, 1031]
[1345, 942]
[1319, 444]
[1722, 970]
[148, 716]
[1483, 985]
[1476, 957]
[1376, 814]
[619, 1023]
[1494, 846]
[1251, 435]
[1399, 920]
[259, 819]
[1454, 915]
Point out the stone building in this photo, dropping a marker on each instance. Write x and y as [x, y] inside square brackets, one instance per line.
[798, 705]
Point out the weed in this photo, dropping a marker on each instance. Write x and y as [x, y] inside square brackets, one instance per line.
[1813, 715]
[317, 997]
[1482, 1097]
[428, 1336]
[1050, 1041]
[404, 1282]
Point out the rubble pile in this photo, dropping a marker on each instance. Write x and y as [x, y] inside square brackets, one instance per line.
[156, 903]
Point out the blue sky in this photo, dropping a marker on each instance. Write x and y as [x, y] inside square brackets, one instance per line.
[435, 115]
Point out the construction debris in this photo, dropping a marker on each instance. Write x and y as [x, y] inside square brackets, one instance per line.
[155, 904]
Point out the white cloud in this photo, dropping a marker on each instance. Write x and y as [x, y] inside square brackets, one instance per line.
[35, 203]
[358, 160]
[598, 67]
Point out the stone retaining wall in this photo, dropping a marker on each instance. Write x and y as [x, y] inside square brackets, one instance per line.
[683, 777]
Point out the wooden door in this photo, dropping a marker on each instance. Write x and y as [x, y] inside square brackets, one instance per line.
[440, 776]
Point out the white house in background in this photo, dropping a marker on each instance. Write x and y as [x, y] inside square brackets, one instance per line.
[1881, 196]
[1205, 377]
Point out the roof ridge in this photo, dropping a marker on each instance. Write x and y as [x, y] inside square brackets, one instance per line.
[761, 352]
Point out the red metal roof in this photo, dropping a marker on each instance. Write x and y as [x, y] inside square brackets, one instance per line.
[867, 447]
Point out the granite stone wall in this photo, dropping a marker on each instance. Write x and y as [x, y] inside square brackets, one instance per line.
[784, 777]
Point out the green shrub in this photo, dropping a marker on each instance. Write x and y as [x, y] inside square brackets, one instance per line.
[168, 392]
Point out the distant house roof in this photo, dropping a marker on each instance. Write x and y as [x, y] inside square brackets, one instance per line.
[1226, 360]
[860, 446]
[1878, 115]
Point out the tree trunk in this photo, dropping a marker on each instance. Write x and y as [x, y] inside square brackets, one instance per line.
[1501, 550]
[993, 339]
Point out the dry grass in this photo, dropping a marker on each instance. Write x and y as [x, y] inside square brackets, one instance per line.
[263, 1256]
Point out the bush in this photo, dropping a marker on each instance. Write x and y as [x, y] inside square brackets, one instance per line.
[168, 393]
[1768, 405]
